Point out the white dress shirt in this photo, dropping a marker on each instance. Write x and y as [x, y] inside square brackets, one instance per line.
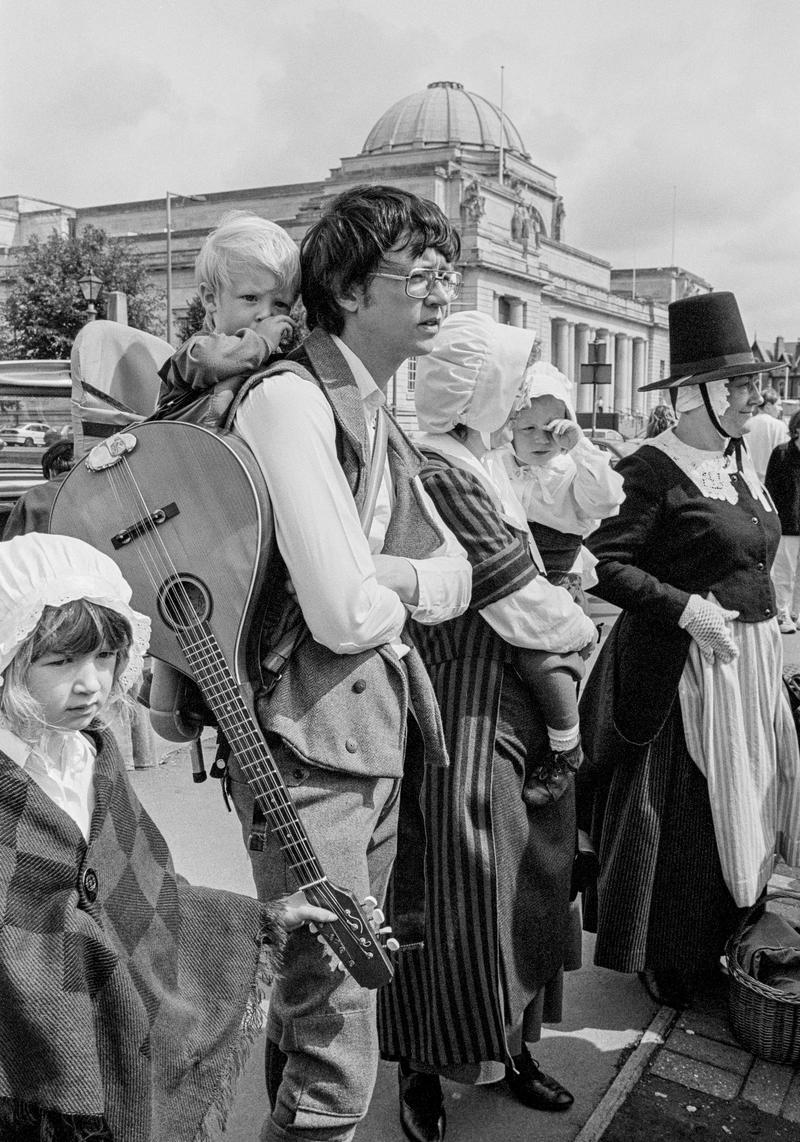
[766, 433]
[62, 766]
[289, 426]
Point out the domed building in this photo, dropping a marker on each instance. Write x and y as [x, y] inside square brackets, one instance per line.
[460, 150]
[443, 113]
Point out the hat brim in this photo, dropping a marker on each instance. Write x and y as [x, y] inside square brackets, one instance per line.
[725, 373]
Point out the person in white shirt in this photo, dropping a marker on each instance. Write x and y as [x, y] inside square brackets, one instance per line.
[377, 279]
[767, 431]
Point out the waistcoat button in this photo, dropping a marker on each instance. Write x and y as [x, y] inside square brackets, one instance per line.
[759, 566]
[767, 611]
[755, 519]
[351, 745]
[90, 884]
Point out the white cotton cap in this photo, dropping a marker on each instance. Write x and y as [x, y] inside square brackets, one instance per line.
[543, 380]
[473, 375]
[689, 397]
[38, 571]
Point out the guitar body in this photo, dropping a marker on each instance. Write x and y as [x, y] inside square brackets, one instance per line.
[219, 541]
[184, 513]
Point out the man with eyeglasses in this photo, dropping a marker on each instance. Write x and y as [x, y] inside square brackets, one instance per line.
[377, 279]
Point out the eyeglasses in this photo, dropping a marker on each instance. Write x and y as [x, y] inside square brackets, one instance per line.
[421, 283]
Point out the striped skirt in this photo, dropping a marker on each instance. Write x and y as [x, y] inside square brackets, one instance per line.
[496, 883]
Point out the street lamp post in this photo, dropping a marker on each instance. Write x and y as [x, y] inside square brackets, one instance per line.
[596, 372]
[169, 197]
[91, 287]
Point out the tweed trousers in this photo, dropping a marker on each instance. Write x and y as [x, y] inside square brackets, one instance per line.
[323, 1021]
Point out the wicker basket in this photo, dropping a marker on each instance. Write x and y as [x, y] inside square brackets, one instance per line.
[766, 1021]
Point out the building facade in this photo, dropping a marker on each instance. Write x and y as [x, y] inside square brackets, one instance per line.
[458, 149]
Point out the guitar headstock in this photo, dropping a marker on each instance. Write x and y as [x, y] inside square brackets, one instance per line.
[357, 940]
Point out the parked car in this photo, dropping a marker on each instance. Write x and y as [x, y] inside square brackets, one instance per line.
[32, 393]
[34, 432]
[609, 440]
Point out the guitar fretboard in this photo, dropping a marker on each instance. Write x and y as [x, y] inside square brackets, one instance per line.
[219, 688]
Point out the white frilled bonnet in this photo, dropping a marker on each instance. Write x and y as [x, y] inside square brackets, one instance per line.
[473, 374]
[543, 380]
[38, 571]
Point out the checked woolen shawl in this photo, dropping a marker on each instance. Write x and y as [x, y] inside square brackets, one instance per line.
[127, 996]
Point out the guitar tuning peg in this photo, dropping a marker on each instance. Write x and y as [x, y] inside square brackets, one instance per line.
[334, 962]
[392, 945]
[369, 902]
[384, 930]
[377, 916]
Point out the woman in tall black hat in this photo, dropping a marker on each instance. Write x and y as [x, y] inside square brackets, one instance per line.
[691, 787]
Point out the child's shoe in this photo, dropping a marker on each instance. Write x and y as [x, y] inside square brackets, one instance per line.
[550, 781]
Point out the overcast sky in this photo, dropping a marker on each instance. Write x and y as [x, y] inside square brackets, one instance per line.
[670, 125]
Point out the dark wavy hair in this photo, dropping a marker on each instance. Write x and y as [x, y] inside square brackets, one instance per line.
[794, 425]
[345, 247]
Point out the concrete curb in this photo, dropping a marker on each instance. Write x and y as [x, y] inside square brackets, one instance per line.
[653, 1037]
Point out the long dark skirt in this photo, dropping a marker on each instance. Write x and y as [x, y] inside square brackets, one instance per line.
[661, 899]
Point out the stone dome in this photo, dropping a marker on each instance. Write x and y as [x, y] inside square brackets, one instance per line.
[441, 115]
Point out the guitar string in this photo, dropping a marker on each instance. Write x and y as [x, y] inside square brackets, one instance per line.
[160, 564]
[200, 665]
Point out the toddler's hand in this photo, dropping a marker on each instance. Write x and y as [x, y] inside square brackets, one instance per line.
[566, 433]
[298, 911]
[273, 329]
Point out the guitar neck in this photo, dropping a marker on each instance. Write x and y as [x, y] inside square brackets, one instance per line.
[219, 688]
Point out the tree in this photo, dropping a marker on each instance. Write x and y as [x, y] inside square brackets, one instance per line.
[45, 308]
[192, 321]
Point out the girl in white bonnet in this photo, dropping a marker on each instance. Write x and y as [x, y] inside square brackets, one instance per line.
[129, 997]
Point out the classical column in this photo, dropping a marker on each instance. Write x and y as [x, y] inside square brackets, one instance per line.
[560, 349]
[639, 374]
[583, 393]
[570, 369]
[622, 379]
[515, 312]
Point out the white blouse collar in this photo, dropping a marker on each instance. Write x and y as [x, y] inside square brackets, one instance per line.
[711, 472]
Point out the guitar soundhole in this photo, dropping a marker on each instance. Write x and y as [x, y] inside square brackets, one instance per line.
[183, 602]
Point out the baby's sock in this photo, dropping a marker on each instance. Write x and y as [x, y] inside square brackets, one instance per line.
[562, 740]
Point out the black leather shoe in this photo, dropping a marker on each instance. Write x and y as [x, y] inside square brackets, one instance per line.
[533, 1087]
[668, 987]
[421, 1105]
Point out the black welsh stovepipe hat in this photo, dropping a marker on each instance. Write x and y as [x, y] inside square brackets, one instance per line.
[707, 342]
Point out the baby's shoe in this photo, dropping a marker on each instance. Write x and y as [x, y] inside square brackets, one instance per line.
[550, 781]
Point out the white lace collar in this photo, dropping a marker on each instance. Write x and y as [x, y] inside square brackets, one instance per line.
[711, 472]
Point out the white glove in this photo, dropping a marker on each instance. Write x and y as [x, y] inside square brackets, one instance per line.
[566, 433]
[707, 624]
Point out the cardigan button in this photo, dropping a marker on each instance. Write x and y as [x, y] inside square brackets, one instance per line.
[359, 686]
[759, 566]
[351, 745]
[755, 519]
[767, 611]
[90, 884]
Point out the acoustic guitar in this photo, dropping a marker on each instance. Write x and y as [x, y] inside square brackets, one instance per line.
[184, 512]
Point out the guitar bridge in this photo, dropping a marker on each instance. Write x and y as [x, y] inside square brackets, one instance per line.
[142, 526]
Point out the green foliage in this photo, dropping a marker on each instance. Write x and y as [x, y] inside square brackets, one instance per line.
[45, 308]
[192, 320]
